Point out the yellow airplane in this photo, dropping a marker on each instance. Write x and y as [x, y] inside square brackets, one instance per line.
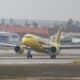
[37, 43]
[34, 42]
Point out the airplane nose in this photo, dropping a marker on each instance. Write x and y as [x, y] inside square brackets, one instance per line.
[24, 40]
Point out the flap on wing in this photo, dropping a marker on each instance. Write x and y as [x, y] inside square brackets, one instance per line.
[10, 45]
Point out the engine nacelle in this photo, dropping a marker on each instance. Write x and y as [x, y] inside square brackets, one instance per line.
[19, 49]
[53, 49]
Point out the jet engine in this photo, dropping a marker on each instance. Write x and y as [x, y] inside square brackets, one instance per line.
[19, 49]
[53, 49]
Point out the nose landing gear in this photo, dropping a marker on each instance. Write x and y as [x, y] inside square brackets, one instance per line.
[29, 55]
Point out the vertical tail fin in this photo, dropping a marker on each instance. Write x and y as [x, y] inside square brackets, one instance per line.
[58, 36]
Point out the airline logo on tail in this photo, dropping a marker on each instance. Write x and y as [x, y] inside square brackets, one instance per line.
[58, 36]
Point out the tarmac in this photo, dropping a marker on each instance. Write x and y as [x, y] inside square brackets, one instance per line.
[41, 67]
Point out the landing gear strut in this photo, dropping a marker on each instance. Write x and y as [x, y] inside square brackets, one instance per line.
[53, 56]
[29, 55]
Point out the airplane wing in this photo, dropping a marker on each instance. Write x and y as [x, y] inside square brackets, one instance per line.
[64, 47]
[12, 45]
[7, 45]
[70, 47]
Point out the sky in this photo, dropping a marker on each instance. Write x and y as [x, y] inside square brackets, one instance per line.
[40, 9]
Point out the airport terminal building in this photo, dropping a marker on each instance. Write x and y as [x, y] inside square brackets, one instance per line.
[8, 37]
[16, 32]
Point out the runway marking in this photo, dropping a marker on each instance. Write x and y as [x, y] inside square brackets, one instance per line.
[34, 61]
[40, 57]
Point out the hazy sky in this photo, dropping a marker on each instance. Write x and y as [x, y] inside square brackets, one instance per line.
[40, 9]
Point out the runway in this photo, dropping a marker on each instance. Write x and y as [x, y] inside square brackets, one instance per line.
[10, 57]
[40, 56]
[69, 52]
[66, 65]
[34, 61]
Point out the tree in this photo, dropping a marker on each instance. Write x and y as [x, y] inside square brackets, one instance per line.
[35, 24]
[3, 21]
[69, 25]
[26, 23]
[12, 21]
[77, 26]
[56, 27]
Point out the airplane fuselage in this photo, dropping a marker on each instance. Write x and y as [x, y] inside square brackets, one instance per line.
[37, 43]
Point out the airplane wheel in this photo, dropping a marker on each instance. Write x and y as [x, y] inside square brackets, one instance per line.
[29, 56]
[53, 56]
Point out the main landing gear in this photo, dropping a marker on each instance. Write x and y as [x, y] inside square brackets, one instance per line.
[53, 56]
[29, 55]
